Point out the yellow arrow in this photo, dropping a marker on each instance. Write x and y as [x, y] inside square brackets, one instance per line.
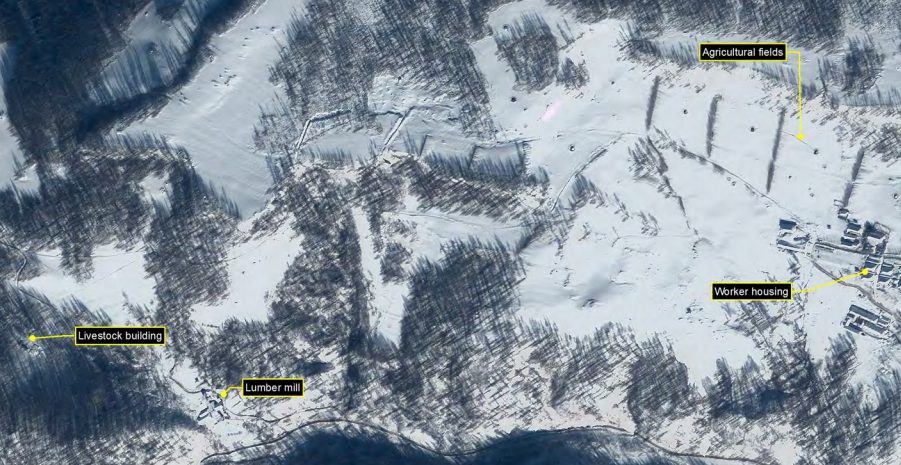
[33, 338]
[224, 393]
[862, 272]
[800, 102]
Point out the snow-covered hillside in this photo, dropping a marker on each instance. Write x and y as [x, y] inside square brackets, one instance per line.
[459, 222]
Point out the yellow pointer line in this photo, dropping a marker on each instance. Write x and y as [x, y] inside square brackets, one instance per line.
[33, 338]
[224, 393]
[862, 272]
[800, 104]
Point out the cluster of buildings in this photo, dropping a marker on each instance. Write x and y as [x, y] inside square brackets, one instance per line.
[213, 406]
[867, 240]
[869, 237]
[791, 237]
[885, 271]
[870, 323]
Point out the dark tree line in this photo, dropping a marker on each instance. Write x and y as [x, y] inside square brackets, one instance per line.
[858, 69]
[809, 23]
[90, 200]
[60, 403]
[572, 75]
[454, 309]
[530, 48]
[360, 446]
[187, 244]
[833, 418]
[331, 59]
[60, 48]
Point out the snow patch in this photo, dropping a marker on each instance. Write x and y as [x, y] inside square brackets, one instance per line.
[213, 117]
[255, 268]
[387, 302]
[118, 279]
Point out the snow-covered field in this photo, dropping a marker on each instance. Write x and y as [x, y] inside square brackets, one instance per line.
[118, 280]
[213, 117]
[255, 266]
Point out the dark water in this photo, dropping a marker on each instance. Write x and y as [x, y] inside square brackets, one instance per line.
[540, 448]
